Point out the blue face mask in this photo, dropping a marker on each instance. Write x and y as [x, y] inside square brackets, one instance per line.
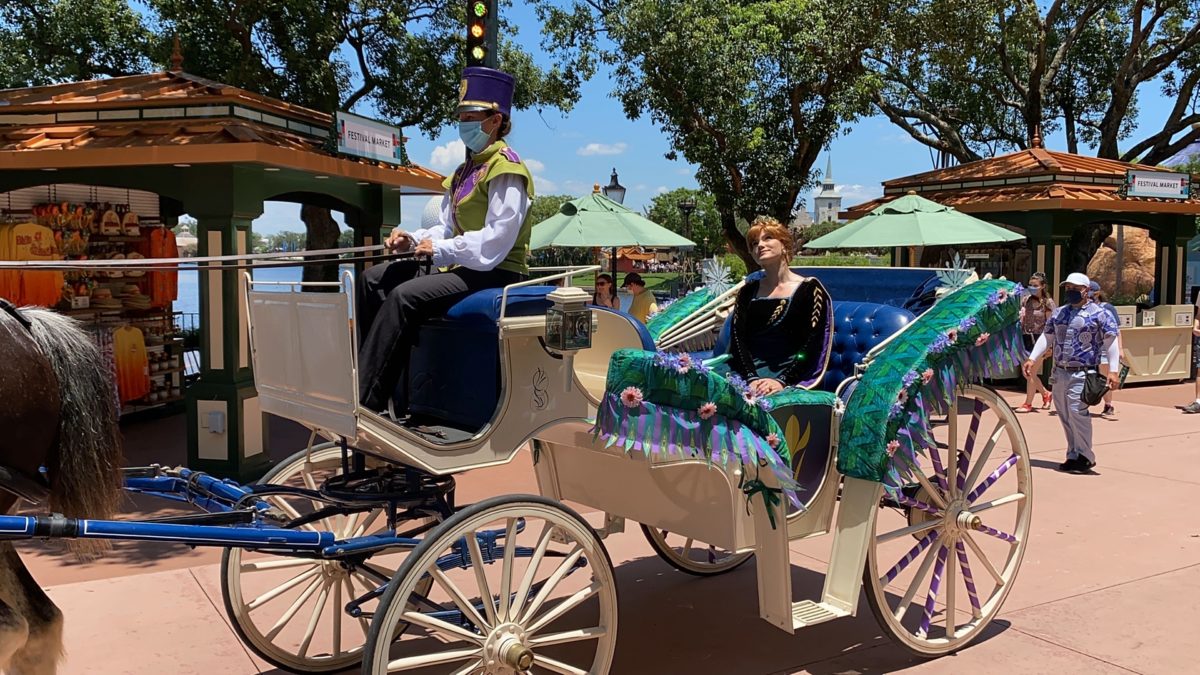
[473, 136]
[1074, 297]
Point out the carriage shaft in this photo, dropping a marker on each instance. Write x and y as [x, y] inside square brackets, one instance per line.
[250, 537]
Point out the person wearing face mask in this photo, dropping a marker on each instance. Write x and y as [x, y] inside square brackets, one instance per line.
[1036, 309]
[1080, 332]
[481, 239]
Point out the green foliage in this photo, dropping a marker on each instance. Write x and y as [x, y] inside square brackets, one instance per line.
[737, 266]
[751, 93]
[545, 206]
[48, 41]
[346, 239]
[704, 221]
[841, 260]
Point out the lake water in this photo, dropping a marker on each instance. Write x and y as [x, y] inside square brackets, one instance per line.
[188, 301]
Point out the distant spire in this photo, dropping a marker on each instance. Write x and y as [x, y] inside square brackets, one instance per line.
[828, 166]
[1036, 140]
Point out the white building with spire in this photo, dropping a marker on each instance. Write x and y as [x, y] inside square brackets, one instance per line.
[828, 201]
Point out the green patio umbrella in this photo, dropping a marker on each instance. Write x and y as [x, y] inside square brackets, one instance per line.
[597, 221]
[913, 221]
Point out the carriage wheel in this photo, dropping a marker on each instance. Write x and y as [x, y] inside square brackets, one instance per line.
[522, 585]
[291, 611]
[688, 555]
[947, 547]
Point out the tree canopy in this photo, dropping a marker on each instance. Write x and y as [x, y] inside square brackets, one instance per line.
[704, 223]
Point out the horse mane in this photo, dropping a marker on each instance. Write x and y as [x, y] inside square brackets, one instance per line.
[84, 468]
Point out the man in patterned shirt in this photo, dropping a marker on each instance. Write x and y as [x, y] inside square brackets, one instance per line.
[1079, 332]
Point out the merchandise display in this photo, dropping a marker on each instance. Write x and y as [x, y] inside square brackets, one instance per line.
[128, 311]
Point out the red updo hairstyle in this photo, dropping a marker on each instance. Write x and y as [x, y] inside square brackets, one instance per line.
[772, 228]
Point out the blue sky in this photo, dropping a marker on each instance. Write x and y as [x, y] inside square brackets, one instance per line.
[569, 152]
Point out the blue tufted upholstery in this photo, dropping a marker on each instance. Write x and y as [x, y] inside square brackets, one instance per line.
[858, 326]
[481, 310]
[910, 288]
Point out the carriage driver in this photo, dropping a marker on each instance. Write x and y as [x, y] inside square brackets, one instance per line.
[481, 240]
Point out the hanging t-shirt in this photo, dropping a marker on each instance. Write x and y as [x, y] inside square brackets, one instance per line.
[164, 284]
[133, 365]
[30, 241]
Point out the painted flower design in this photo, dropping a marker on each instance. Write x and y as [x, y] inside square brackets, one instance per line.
[927, 376]
[683, 363]
[892, 447]
[909, 378]
[897, 410]
[765, 404]
[631, 397]
[1002, 295]
[707, 410]
[773, 440]
[700, 367]
[940, 344]
[737, 383]
[750, 399]
[902, 397]
[983, 337]
[952, 335]
[966, 324]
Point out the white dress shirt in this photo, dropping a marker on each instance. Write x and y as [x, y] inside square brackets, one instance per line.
[508, 202]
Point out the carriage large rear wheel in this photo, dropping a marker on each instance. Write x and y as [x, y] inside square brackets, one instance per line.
[947, 546]
[291, 611]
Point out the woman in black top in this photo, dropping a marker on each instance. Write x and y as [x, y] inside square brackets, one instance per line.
[782, 324]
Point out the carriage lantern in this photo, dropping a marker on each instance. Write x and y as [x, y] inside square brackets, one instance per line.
[569, 321]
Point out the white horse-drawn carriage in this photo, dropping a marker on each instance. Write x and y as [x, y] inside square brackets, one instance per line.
[921, 474]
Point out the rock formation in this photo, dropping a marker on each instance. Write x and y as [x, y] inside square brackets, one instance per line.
[1137, 276]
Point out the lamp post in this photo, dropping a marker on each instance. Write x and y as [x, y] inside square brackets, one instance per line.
[686, 206]
[614, 190]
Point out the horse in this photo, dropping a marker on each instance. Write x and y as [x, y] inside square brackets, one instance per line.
[60, 443]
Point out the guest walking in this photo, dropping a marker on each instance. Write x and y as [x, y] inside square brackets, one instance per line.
[1079, 332]
[1037, 307]
[1194, 407]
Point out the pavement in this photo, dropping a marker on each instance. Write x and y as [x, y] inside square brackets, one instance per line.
[1110, 582]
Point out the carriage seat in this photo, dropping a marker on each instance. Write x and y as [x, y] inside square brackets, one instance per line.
[857, 328]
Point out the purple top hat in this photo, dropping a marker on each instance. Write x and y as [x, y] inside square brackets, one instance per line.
[486, 89]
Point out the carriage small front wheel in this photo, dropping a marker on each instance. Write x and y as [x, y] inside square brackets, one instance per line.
[948, 543]
[291, 611]
[519, 583]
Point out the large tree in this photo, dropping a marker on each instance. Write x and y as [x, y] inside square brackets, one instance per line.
[750, 92]
[702, 225]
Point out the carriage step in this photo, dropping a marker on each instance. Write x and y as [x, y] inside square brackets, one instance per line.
[809, 613]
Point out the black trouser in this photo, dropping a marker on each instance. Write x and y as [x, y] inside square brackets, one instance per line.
[393, 299]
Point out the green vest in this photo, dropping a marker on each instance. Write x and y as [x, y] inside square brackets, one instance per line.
[468, 188]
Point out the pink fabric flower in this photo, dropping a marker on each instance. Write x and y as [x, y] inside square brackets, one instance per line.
[927, 376]
[1002, 294]
[685, 363]
[750, 399]
[631, 397]
[983, 337]
[892, 447]
[902, 397]
[707, 410]
[773, 440]
[952, 335]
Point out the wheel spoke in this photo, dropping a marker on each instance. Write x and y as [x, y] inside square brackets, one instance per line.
[933, 492]
[905, 500]
[987, 564]
[964, 458]
[363, 624]
[931, 597]
[485, 593]
[457, 633]
[295, 607]
[907, 531]
[289, 510]
[535, 561]
[557, 666]
[425, 660]
[311, 629]
[459, 599]
[468, 669]
[282, 588]
[984, 455]
[915, 583]
[939, 471]
[908, 558]
[578, 598]
[951, 592]
[951, 448]
[968, 580]
[687, 548]
[1003, 536]
[992, 478]
[365, 526]
[506, 572]
[552, 582]
[1000, 501]
[577, 635]
[337, 617]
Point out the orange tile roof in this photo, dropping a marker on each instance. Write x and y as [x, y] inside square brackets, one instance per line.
[152, 89]
[1032, 162]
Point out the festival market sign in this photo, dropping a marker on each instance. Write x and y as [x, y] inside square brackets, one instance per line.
[368, 139]
[1157, 184]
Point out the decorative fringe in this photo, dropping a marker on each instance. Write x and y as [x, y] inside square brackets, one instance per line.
[664, 431]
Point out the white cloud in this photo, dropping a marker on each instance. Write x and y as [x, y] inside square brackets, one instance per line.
[601, 149]
[859, 193]
[640, 187]
[661, 189]
[685, 171]
[445, 157]
[535, 166]
[543, 185]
